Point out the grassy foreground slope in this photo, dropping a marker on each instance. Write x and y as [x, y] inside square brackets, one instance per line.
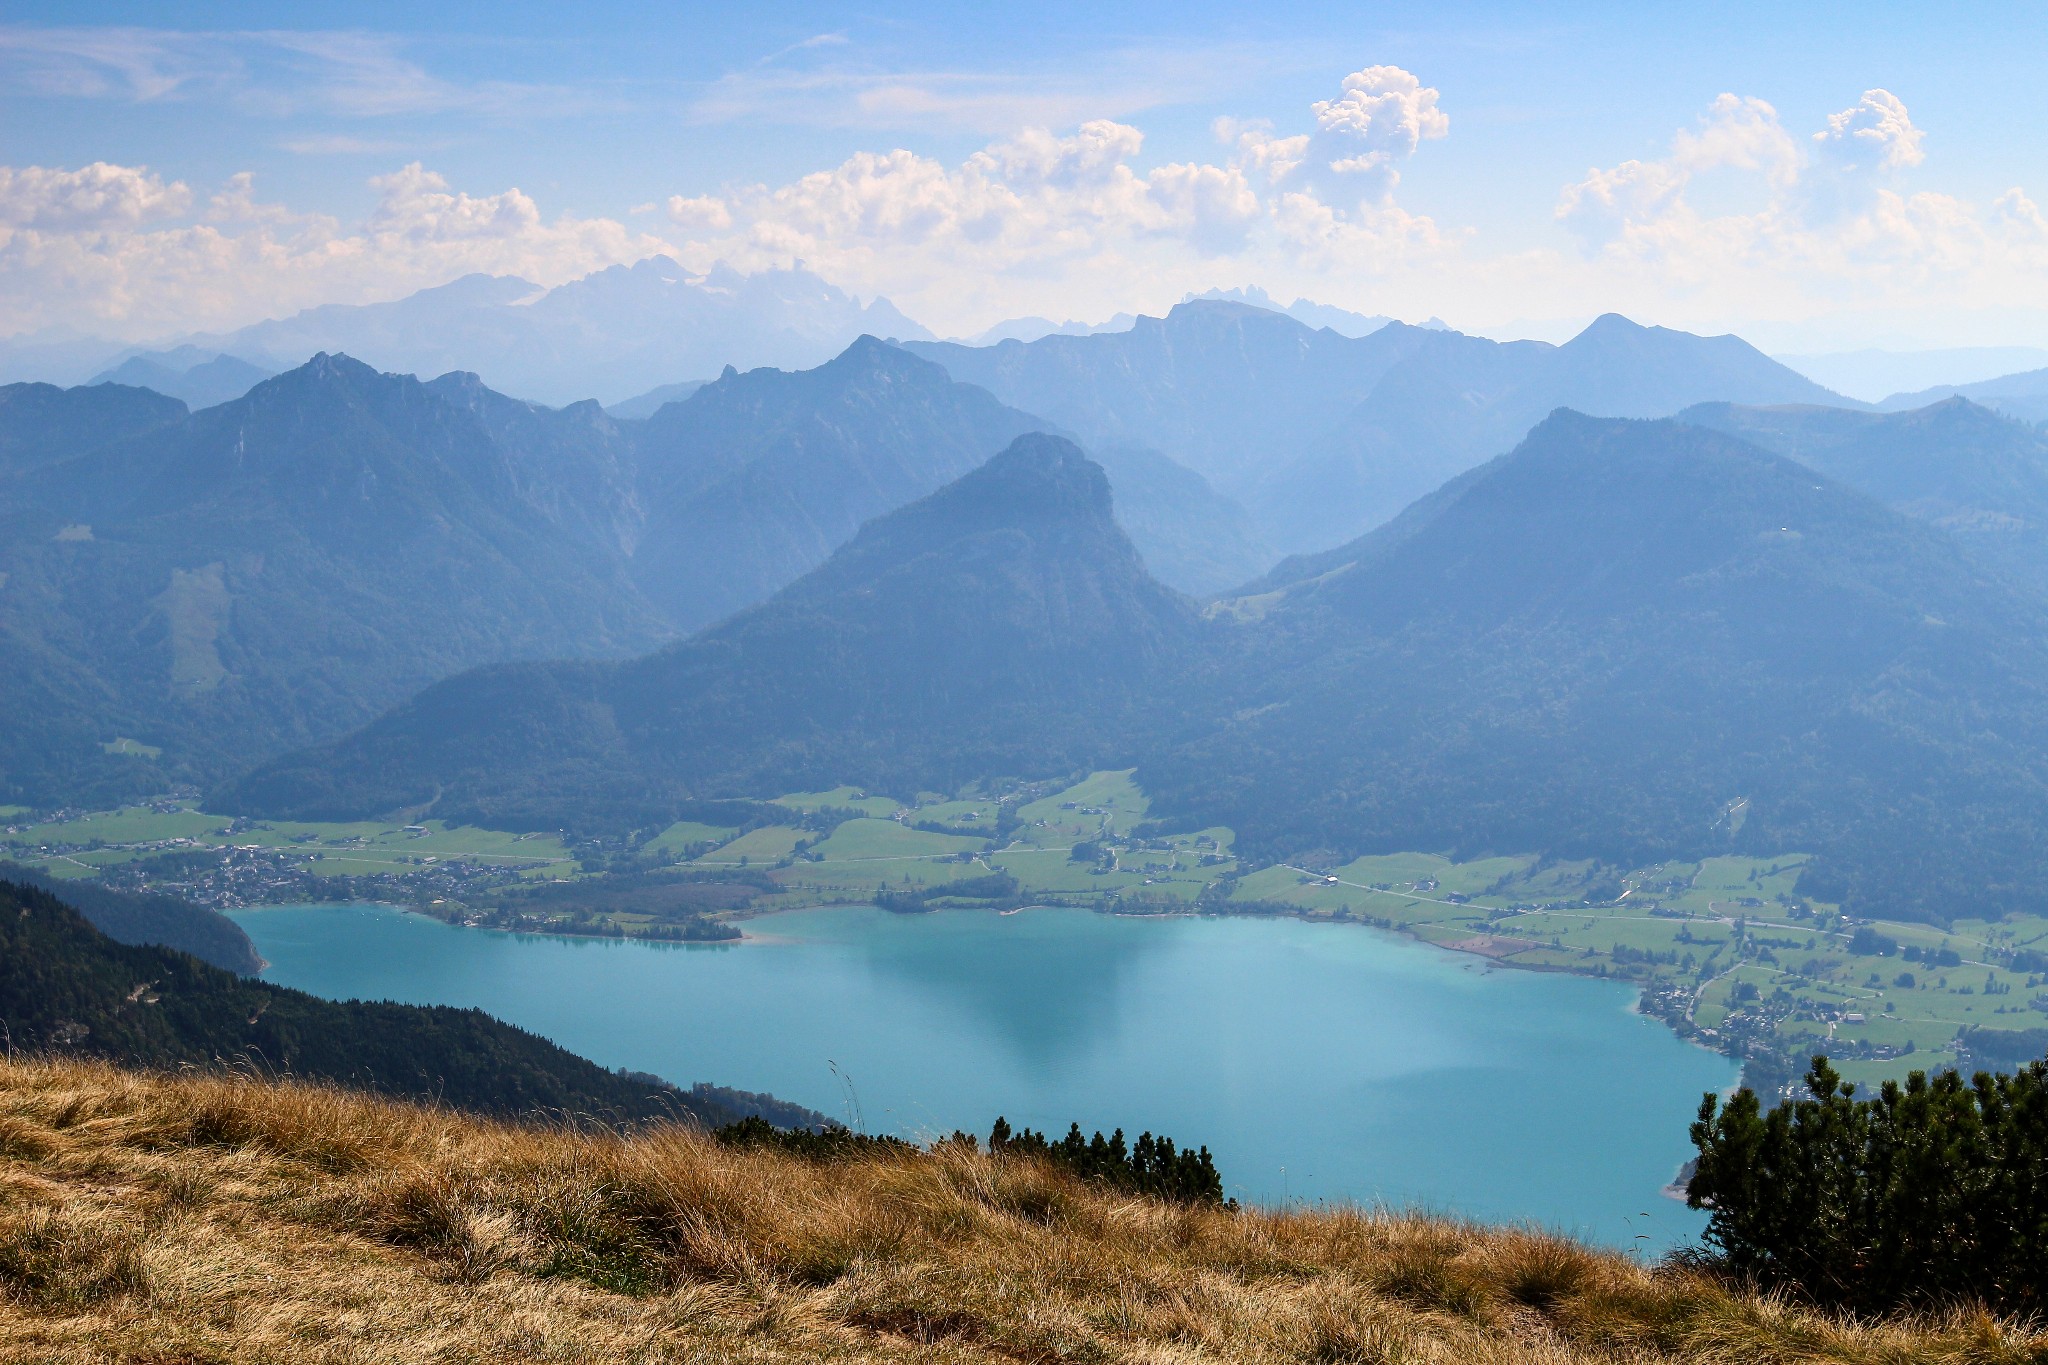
[222, 1220]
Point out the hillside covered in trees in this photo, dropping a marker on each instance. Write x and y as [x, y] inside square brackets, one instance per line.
[66, 989]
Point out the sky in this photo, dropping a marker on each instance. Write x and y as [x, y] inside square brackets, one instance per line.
[1815, 177]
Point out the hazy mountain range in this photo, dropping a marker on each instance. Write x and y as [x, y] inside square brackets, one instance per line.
[1624, 639]
[1771, 621]
[1967, 469]
[274, 570]
[1001, 624]
[1322, 436]
[2023, 396]
[195, 377]
[1873, 375]
[611, 335]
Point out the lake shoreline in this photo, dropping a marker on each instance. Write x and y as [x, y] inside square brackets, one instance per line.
[1333, 1066]
[1267, 910]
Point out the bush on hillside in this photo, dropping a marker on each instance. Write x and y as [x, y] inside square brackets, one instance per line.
[1930, 1193]
[1151, 1166]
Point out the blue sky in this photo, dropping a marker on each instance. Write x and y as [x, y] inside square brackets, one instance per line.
[1872, 179]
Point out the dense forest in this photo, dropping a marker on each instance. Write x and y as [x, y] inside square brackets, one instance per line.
[66, 988]
[148, 917]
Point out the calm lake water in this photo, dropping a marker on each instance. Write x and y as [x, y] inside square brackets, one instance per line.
[1317, 1061]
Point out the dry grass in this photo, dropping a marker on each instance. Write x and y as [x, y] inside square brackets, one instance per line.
[188, 1220]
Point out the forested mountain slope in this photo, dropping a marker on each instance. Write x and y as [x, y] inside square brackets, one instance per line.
[1627, 639]
[148, 917]
[272, 571]
[68, 989]
[1639, 640]
[1002, 624]
[41, 423]
[1967, 469]
[227, 585]
[754, 479]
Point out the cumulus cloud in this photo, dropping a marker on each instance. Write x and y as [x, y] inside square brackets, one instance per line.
[90, 198]
[120, 248]
[1080, 205]
[1640, 201]
[1382, 116]
[1043, 204]
[1829, 222]
[1878, 133]
[1740, 216]
[1841, 172]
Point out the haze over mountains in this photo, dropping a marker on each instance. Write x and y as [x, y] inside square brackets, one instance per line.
[1626, 639]
[1643, 640]
[611, 335]
[1773, 621]
[2023, 396]
[1002, 624]
[1323, 436]
[275, 570]
[1967, 469]
[1879, 376]
[188, 374]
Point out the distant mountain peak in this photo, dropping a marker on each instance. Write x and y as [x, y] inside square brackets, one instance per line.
[323, 369]
[1035, 477]
[1614, 327]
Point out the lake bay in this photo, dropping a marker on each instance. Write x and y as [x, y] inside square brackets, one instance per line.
[1317, 1061]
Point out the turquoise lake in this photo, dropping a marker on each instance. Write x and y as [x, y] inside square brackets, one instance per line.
[1317, 1061]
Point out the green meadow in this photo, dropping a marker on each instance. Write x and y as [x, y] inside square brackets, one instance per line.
[1726, 949]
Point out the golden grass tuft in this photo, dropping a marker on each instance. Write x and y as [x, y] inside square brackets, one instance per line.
[214, 1219]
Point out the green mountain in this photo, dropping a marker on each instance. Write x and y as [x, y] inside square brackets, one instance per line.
[2022, 397]
[228, 585]
[1965, 468]
[41, 423]
[1638, 640]
[1630, 640]
[754, 479]
[1323, 435]
[1459, 400]
[148, 917]
[273, 571]
[67, 988]
[1001, 624]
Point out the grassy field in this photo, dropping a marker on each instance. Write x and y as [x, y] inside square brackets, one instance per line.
[203, 1218]
[1726, 949]
[76, 844]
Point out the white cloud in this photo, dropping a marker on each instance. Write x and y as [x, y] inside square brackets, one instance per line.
[1644, 201]
[119, 249]
[1382, 116]
[1877, 133]
[1079, 210]
[90, 198]
[1830, 227]
[1740, 220]
[1742, 134]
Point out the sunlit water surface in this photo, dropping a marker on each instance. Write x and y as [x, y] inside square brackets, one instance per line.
[1317, 1061]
